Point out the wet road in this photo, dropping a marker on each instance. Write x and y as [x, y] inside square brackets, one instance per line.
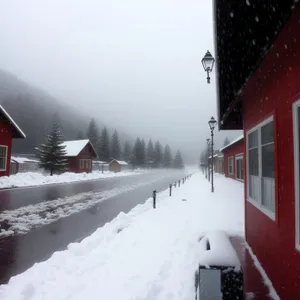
[20, 252]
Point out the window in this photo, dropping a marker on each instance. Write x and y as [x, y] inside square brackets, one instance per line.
[261, 165]
[230, 165]
[3, 158]
[296, 122]
[85, 164]
[239, 167]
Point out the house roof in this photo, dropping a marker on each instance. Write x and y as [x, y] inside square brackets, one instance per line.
[120, 162]
[73, 148]
[22, 160]
[239, 138]
[17, 132]
[244, 32]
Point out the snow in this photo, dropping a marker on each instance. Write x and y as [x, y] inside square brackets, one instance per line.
[73, 148]
[34, 179]
[22, 160]
[145, 254]
[239, 138]
[22, 134]
[220, 252]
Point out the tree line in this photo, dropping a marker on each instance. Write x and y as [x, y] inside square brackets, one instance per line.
[52, 153]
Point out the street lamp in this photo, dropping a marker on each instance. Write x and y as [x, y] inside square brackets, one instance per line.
[208, 64]
[212, 124]
[207, 159]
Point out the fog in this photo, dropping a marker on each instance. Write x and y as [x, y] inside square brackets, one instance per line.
[134, 65]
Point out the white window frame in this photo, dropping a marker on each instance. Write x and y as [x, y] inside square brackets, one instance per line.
[230, 158]
[296, 172]
[258, 204]
[239, 156]
[6, 151]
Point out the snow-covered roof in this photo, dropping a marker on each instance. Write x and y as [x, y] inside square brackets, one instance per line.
[120, 162]
[233, 142]
[73, 148]
[99, 162]
[22, 160]
[17, 129]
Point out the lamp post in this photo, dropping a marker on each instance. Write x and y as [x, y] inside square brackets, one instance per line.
[207, 160]
[212, 124]
[208, 64]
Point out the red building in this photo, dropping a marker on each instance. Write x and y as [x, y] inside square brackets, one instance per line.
[80, 154]
[8, 130]
[234, 159]
[258, 71]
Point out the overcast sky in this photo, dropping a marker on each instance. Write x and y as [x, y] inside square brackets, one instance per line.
[134, 64]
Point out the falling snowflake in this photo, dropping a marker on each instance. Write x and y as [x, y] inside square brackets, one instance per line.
[285, 46]
[248, 2]
[231, 14]
[257, 19]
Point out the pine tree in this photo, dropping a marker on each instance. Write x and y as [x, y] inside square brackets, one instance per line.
[157, 155]
[178, 161]
[115, 149]
[93, 133]
[226, 141]
[143, 152]
[52, 152]
[80, 135]
[137, 153]
[167, 157]
[104, 152]
[150, 151]
[127, 151]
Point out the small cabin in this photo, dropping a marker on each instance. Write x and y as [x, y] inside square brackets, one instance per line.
[118, 166]
[8, 130]
[80, 154]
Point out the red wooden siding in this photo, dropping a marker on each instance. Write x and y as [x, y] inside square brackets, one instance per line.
[233, 150]
[271, 91]
[6, 140]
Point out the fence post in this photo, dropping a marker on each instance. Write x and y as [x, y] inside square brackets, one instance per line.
[175, 184]
[170, 186]
[179, 183]
[154, 199]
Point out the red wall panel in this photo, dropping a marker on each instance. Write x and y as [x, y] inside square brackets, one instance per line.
[233, 150]
[6, 140]
[271, 91]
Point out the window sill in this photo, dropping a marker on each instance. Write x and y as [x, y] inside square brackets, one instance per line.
[269, 214]
[241, 180]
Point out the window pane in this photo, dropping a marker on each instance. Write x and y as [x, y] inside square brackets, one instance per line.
[267, 153]
[253, 161]
[267, 133]
[253, 139]
[267, 195]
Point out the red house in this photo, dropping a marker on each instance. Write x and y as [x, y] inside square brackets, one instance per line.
[80, 154]
[8, 130]
[258, 73]
[234, 159]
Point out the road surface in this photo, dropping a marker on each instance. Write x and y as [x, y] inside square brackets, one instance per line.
[19, 252]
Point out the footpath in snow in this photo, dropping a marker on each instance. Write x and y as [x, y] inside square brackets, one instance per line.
[146, 254]
[35, 178]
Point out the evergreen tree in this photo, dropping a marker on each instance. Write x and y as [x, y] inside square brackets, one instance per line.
[178, 161]
[157, 155]
[226, 141]
[104, 152]
[137, 153]
[115, 149]
[52, 152]
[127, 151]
[150, 151]
[143, 152]
[167, 157]
[80, 135]
[93, 133]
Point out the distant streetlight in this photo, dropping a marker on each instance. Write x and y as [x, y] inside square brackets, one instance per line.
[207, 160]
[208, 64]
[212, 124]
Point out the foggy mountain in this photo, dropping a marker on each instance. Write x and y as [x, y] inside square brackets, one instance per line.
[34, 111]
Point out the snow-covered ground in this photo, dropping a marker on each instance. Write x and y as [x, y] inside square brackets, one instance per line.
[145, 254]
[35, 178]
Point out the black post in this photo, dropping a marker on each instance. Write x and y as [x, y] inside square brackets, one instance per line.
[170, 189]
[179, 183]
[102, 168]
[212, 161]
[175, 184]
[154, 199]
